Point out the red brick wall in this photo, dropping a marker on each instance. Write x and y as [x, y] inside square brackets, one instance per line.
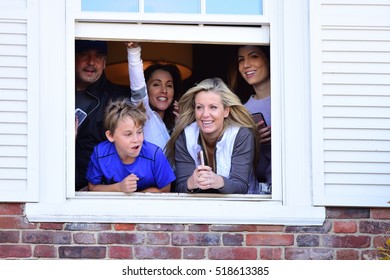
[348, 233]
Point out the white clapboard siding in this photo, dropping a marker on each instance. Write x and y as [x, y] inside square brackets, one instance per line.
[16, 160]
[355, 96]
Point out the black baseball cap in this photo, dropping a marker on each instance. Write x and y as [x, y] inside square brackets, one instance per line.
[85, 45]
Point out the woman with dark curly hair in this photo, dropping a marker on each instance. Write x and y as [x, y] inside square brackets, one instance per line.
[162, 83]
[164, 87]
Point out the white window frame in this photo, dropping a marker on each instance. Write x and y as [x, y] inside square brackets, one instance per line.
[291, 202]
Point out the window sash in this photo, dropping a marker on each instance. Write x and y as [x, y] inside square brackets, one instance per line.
[173, 33]
[74, 7]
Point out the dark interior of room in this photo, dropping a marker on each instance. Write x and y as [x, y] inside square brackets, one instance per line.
[208, 60]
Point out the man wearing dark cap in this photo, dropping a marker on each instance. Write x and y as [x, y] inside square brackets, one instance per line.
[93, 91]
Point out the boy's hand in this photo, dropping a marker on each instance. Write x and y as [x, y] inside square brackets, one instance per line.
[129, 184]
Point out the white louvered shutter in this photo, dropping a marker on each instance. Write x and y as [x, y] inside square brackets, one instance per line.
[18, 100]
[351, 93]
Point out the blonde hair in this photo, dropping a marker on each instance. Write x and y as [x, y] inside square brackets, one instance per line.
[120, 109]
[238, 114]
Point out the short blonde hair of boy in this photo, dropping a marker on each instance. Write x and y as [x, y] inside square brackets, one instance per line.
[121, 109]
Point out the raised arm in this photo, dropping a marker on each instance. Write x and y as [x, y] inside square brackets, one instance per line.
[136, 72]
[155, 130]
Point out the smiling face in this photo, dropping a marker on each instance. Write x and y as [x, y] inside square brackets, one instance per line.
[210, 114]
[128, 138]
[252, 65]
[89, 67]
[160, 91]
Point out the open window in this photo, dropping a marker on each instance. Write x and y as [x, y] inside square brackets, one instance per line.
[195, 62]
[207, 33]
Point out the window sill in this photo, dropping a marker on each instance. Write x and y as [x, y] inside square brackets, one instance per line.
[174, 208]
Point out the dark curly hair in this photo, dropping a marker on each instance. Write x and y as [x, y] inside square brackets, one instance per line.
[169, 117]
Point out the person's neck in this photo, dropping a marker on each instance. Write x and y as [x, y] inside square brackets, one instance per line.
[81, 86]
[210, 142]
[262, 90]
[161, 114]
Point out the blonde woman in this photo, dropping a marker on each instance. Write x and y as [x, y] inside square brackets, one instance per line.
[215, 124]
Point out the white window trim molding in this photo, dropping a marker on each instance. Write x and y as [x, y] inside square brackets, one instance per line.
[291, 202]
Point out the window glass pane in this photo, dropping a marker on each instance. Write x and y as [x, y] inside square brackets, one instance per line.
[242, 7]
[109, 6]
[172, 6]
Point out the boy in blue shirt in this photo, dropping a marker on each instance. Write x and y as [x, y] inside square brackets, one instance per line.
[126, 162]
